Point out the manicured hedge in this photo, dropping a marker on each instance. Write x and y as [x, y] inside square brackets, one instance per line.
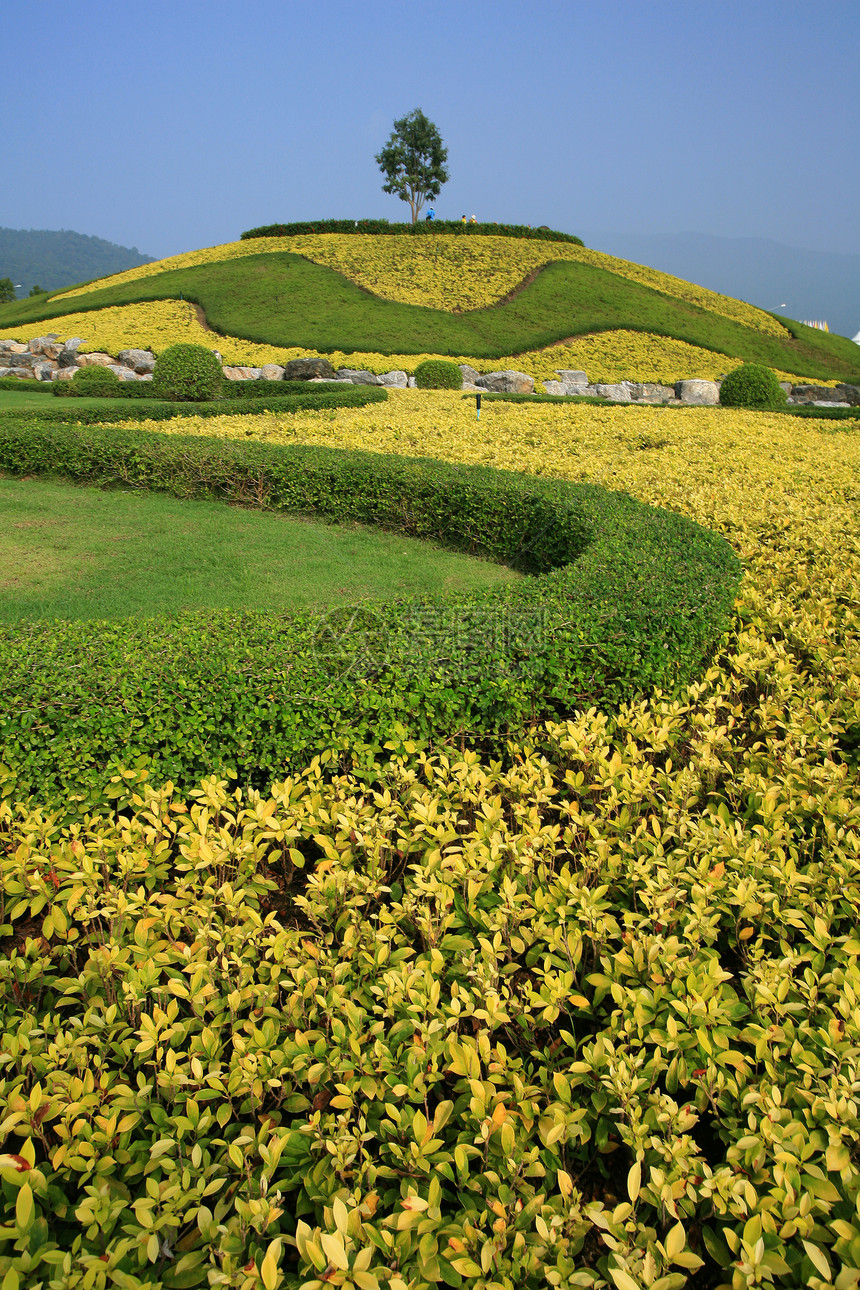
[345, 396]
[624, 597]
[423, 226]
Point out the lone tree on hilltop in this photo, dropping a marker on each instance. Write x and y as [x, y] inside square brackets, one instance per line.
[413, 161]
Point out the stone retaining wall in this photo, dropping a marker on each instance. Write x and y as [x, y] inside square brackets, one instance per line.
[47, 358]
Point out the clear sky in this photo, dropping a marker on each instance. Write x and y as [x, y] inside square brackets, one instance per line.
[179, 123]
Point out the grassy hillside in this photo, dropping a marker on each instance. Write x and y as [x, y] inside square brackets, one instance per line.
[282, 299]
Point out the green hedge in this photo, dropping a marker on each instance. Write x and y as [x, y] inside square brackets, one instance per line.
[624, 597]
[277, 389]
[24, 383]
[109, 410]
[542, 233]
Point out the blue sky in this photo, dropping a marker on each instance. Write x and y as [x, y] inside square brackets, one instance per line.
[180, 123]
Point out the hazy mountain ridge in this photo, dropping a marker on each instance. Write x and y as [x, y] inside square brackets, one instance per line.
[54, 258]
[798, 283]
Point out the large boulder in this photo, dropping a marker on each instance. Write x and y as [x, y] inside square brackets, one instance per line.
[68, 355]
[124, 373]
[698, 393]
[44, 371]
[394, 380]
[470, 375]
[242, 373]
[618, 393]
[44, 344]
[22, 373]
[554, 387]
[826, 394]
[139, 360]
[271, 372]
[63, 373]
[12, 347]
[571, 376]
[506, 382]
[95, 359]
[357, 376]
[649, 392]
[303, 369]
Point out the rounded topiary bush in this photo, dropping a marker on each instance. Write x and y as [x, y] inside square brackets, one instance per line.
[187, 373]
[88, 381]
[438, 374]
[752, 386]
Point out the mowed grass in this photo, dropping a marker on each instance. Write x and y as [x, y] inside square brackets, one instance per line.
[280, 299]
[78, 553]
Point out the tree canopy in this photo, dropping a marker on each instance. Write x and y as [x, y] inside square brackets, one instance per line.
[413, 161]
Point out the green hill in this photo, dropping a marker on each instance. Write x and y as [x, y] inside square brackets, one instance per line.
[282, 299]
[52, 258]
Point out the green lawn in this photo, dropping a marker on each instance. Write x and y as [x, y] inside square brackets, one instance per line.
[282, 299]
[79, 553]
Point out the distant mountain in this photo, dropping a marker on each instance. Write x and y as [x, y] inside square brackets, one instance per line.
[58, 258]
[782, 279]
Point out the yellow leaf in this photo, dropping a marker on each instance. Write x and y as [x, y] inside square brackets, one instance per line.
[24, 1208]
[675, 1241]
[269, 1267]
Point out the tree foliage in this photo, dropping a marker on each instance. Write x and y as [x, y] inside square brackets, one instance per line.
[413, 161]
[7, 290]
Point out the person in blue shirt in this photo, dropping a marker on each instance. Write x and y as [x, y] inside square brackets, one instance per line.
[431, 214]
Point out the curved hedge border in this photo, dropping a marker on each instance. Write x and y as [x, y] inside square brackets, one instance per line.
[142, 409]
[422, 226]
[623, 597]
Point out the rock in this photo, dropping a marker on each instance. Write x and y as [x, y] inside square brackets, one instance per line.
[271, 372]
[139, 360]
[507, 382]
[394, 380]
[554, 387]
[469, 387]
[469, 374]
[124, 373]
[823, 394]
[22, 373]
[827, 403]
[411, 384]
[618, 393]
[38, 344]
[63, 373]
[571, 377]
[12, 347]
[698, 393]
[357, 376]
[241, 373]
[26, 359]
[648, 392]
[68, 355]
[785, 386]
[44, 371]
[304, 369]
[96, 359]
